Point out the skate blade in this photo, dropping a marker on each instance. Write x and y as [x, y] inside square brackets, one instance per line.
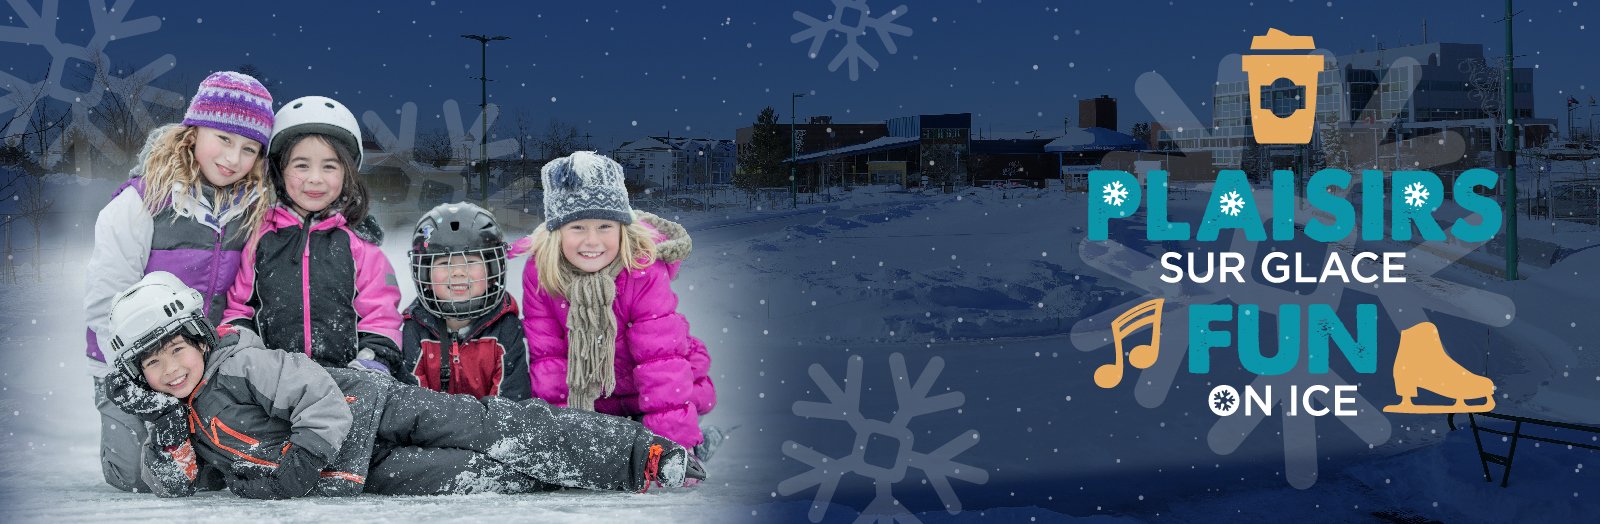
[1415, 409]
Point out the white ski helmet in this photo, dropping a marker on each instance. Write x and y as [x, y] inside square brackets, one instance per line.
[315, 114]
[156, 307]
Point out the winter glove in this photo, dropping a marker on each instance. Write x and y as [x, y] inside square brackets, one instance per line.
[171, 429]
[297, 473]
[137, 399]
[367, 360]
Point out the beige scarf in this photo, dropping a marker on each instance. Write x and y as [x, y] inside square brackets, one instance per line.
[591, 334]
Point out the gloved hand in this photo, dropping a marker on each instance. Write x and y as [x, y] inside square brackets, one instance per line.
[171, 429]
[297, 473]
[367, 360]
[135, 398]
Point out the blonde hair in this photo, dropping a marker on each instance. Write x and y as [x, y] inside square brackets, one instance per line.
[171, 162]
[637, 249]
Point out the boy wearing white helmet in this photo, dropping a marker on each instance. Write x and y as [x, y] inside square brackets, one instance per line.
[314, 280]
[274, 424]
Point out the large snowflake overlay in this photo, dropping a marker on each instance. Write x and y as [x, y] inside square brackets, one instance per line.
[1114, 193]
[1405, 305]
[1231, 203]
[39, 28]
[405, 141]
[844, 405]
[1416, 196]
[818, 30]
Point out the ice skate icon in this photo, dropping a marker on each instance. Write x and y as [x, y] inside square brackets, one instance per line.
[1423, 364]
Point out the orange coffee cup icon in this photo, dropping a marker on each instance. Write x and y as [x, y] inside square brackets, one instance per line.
[1264, 70]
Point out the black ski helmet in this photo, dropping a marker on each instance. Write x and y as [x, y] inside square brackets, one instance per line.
[458, 229]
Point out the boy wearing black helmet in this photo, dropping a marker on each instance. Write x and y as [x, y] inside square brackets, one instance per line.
[463, 333]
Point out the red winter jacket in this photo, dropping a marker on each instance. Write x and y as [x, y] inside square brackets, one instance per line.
[491, 360]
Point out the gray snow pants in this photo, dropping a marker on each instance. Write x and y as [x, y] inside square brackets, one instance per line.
[121, 440]
[412, 470]
[432, 442]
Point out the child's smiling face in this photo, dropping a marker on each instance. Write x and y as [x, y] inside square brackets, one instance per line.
[313, 175]
[591, 243]
[174, 368]
[459, 277]
[224, 157]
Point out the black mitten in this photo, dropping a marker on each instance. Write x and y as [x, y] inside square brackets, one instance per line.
[295, 476]
[137, 399]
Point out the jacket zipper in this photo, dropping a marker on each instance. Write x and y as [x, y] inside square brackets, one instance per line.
[444, 365]
[305, 288]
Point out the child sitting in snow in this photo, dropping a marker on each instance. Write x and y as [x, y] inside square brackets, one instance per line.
[314, 280]
[462, 334]
[276, 425]
[604, 333]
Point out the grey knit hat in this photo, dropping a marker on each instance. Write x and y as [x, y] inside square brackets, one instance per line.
[584, 185]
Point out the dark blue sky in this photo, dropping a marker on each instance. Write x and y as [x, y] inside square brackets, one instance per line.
[627, 69]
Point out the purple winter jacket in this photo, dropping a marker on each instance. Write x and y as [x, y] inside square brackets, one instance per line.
[186, 238]
[662, 371]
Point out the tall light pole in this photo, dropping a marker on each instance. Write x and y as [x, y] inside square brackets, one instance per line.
[483, 106]
[1509, 111]
[794, 199]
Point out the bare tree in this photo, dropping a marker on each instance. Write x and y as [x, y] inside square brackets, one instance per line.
[434, 148]
[127, 112]
[17, 132]
[560, 139]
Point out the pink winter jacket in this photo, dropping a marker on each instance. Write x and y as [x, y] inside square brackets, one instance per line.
[662, 371]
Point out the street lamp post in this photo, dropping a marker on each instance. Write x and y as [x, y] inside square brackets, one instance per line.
[794, 199]
[483, 106]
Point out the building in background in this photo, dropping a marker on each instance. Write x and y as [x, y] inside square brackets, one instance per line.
[1371, 98]
[675, 162]
[1100, 111]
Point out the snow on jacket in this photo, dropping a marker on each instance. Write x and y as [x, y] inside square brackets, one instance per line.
[490, 360]
[662, 371]
[324, 289]
[187, 238]
[254, 404]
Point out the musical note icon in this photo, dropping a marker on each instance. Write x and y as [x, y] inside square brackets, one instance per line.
[1144, 355]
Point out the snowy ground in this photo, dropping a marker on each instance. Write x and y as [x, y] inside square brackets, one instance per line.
[988, 283]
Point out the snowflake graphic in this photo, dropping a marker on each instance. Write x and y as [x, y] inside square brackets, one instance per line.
[1416, 196]
[844, 405]
[1405, 306]
[1114, 193]
[404, 143]
[1232, 204]
[110, 23]
[1222, 400]
[817, 30]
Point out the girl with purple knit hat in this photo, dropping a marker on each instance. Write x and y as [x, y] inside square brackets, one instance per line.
[197, 193]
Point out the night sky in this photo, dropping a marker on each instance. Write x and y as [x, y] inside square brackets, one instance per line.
[622, 70]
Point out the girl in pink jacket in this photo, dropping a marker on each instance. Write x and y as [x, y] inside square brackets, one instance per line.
[604, 333]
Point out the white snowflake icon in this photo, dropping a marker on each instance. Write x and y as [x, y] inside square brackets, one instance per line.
[1416, 196]
[859, 12]
[844, 405]
[1114, 193]
[1232, 204]
[110, 24]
